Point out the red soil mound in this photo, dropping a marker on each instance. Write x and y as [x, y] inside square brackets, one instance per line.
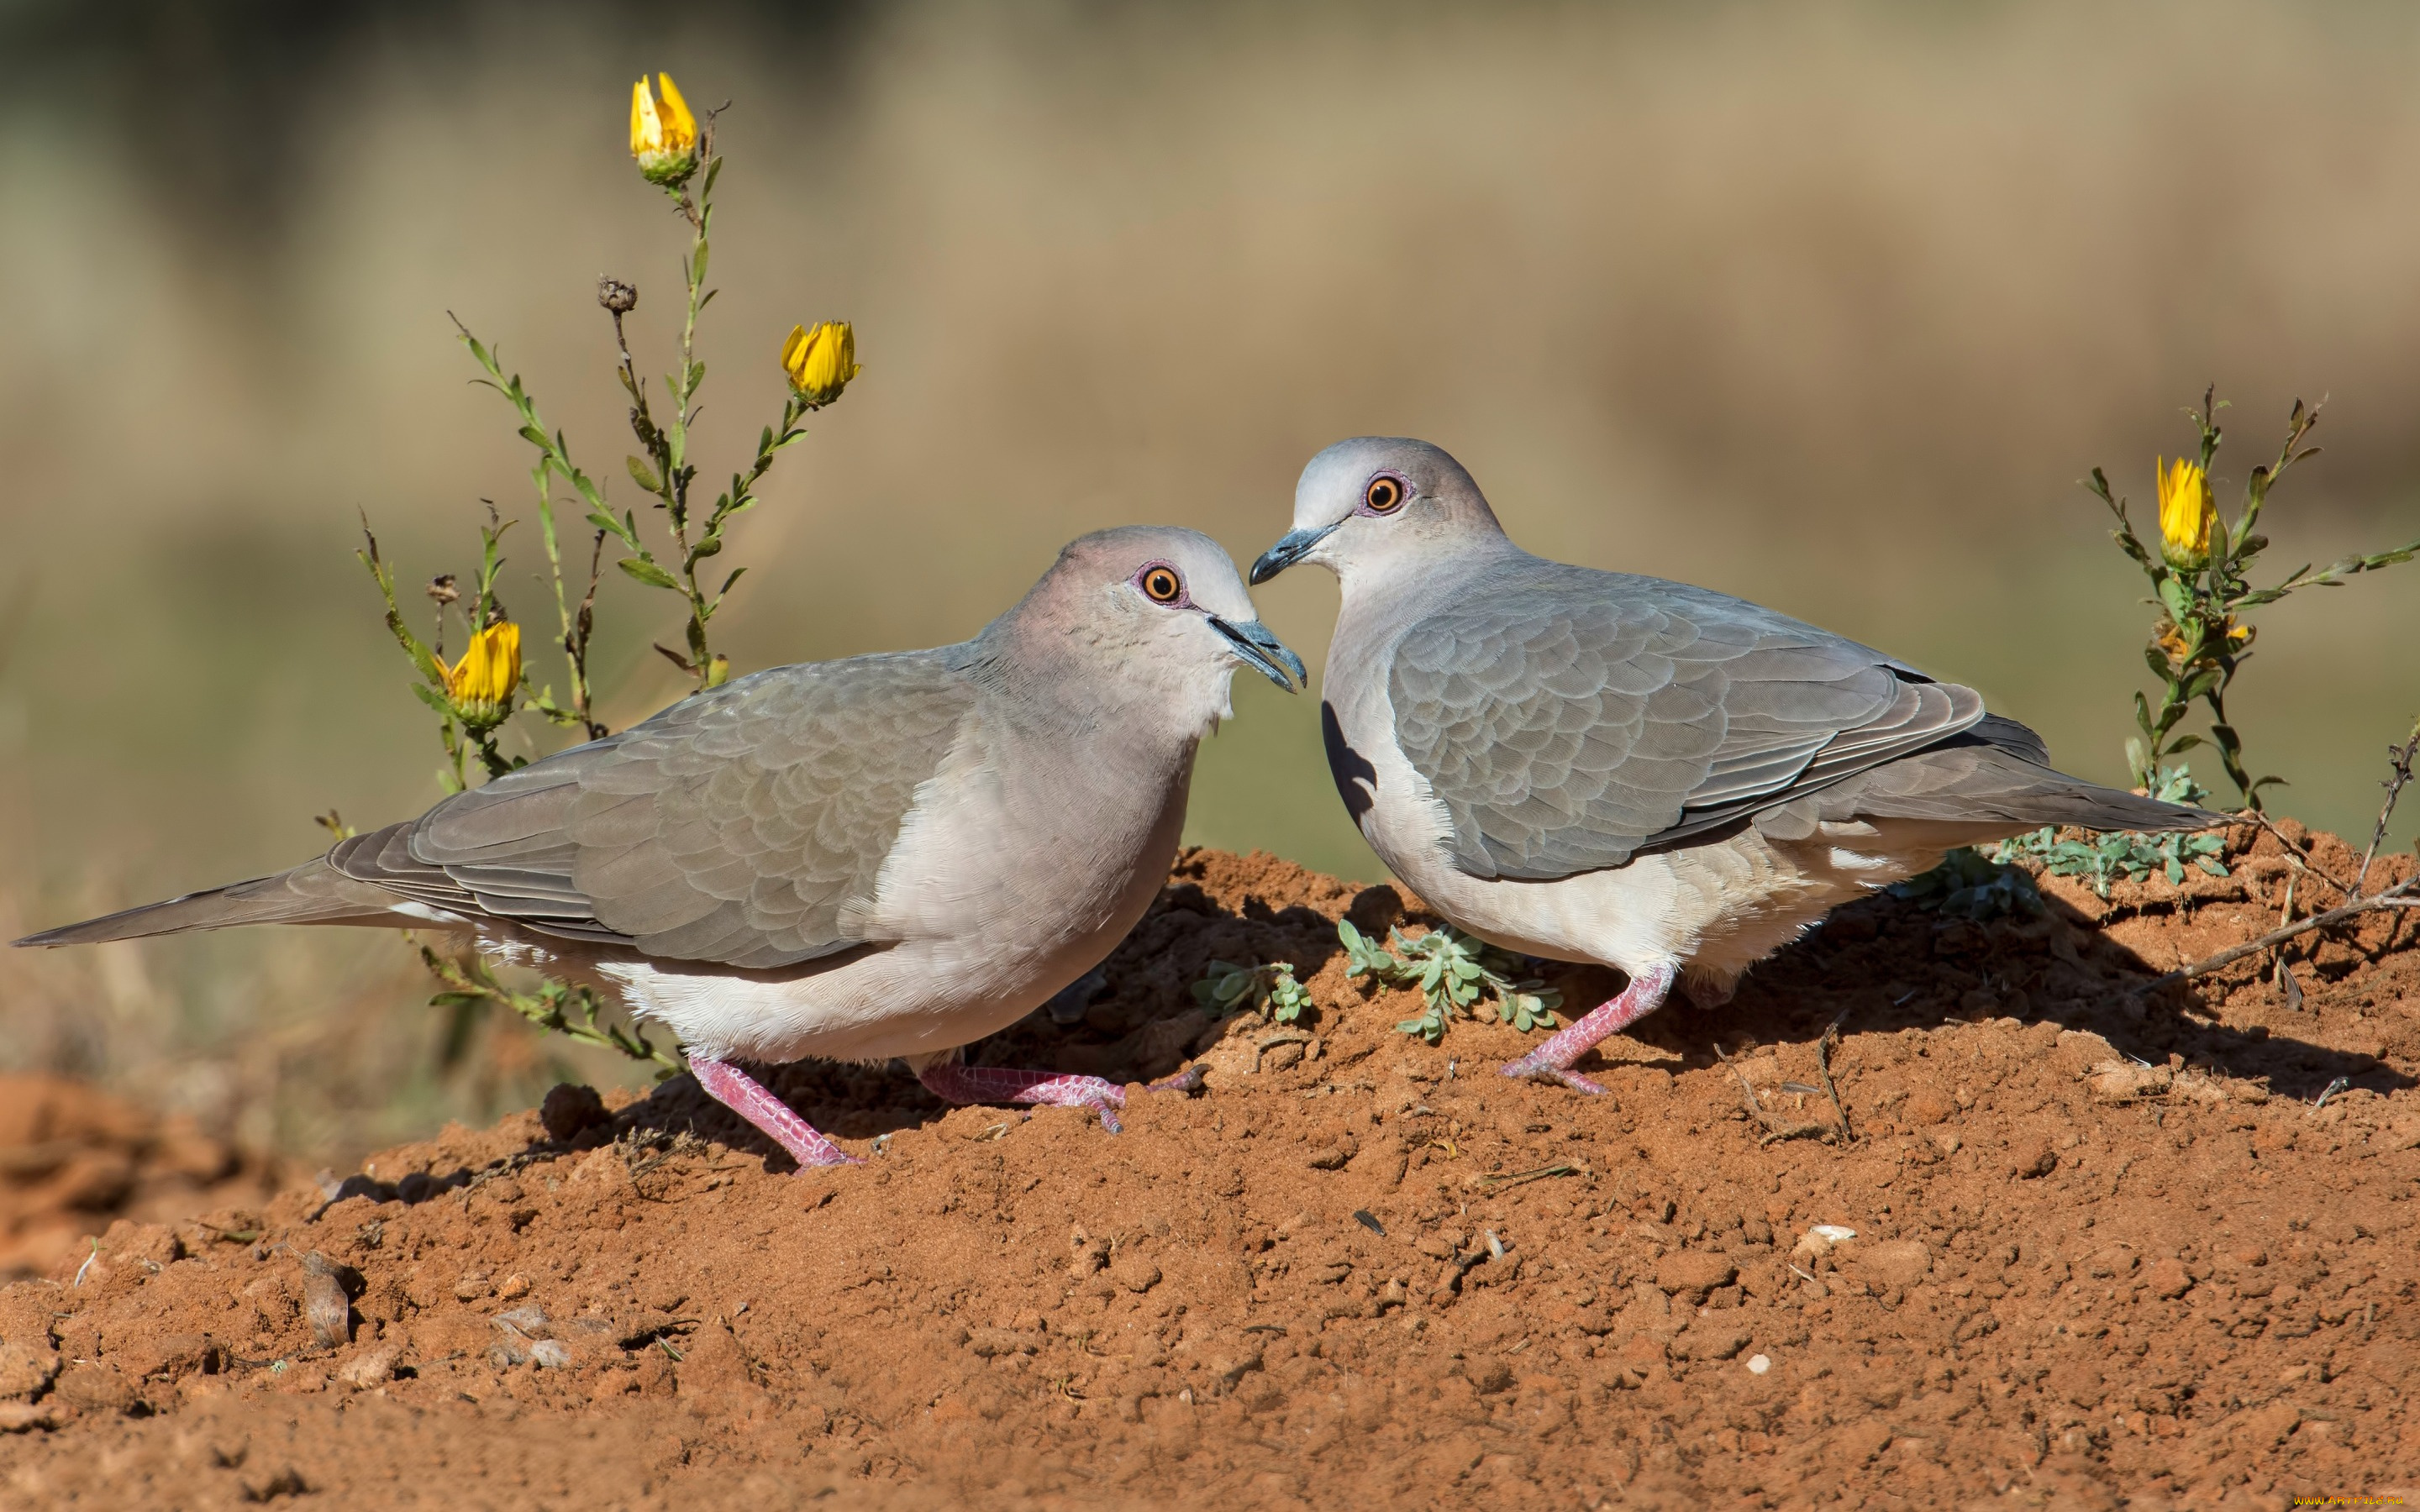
[2107, 1252]
[73, 1159]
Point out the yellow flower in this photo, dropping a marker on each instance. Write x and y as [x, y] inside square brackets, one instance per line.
[481, 684]
[2187, 511]
[662, 137]
[820, 361]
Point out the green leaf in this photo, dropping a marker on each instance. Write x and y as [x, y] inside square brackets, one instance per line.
[648, 573]
[642, 475]
[697, 262]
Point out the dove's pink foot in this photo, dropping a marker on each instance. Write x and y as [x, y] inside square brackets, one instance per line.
[744, 1095]
[1554, 1058]
[954, 1083]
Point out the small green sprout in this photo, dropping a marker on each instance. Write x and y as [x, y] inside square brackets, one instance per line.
[2127, 854]
[1455, 973]
[1268, 992]
[558, 1007]
[1364, 956]
[1970, 885]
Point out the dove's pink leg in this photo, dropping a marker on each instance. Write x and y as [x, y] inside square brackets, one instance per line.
[742, 1094]
[954, 1083]
[1554, 1058]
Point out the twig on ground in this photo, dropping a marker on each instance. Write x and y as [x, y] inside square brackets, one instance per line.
[1774, 1130]
[2277, 966]
[2294, 855]
[1824, 1049]
[2400, 758]
[2395, 896]
[1497, 1183]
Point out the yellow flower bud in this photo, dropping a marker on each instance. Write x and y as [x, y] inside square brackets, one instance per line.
[820, 361]
[2187, 513]
[663, 137]
[481, 684]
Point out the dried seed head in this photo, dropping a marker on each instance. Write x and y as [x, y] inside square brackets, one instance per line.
[617, 296]
[441, 589]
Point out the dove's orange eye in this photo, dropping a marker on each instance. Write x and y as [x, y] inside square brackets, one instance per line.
[1161, 584]
[1385, 494]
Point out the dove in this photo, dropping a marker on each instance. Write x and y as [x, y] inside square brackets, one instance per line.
[1597, 767]
[890, 855]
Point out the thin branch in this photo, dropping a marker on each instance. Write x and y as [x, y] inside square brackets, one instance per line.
[2391, 897]
[2294, 855]
[2400, 756]
[1824, 1049]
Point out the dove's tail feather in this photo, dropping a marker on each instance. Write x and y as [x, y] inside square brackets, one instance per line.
[1999, 774]
[312, 893]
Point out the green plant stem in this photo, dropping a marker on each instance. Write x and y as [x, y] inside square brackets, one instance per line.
[574, 627]
[2197, 646]
[570, 1011]
[431, 689]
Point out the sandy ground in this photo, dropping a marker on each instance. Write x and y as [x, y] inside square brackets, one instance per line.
[2106, 1253]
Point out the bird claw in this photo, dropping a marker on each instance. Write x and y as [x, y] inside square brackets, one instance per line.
[1546, 1071]
[1187, 1081]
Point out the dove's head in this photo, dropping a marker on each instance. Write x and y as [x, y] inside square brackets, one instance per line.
[1145, 615]
[1380, 502]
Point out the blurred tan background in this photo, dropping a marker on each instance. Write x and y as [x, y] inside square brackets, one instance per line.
[1828, 305]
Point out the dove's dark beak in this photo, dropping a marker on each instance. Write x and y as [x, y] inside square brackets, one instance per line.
[1289, 550]
[1261, 652]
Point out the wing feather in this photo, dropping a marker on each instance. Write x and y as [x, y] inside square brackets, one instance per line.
[745, 826]
[1568, 718]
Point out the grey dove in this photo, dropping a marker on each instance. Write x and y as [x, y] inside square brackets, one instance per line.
[890, 855]
[1598, 766]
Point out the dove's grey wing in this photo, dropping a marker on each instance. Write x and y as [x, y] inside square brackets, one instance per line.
[1568, 718]
[744, 826]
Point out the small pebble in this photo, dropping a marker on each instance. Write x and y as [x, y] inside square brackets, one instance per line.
[1759, 1364]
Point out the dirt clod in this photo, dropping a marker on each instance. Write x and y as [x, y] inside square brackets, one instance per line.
[571, 1110]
